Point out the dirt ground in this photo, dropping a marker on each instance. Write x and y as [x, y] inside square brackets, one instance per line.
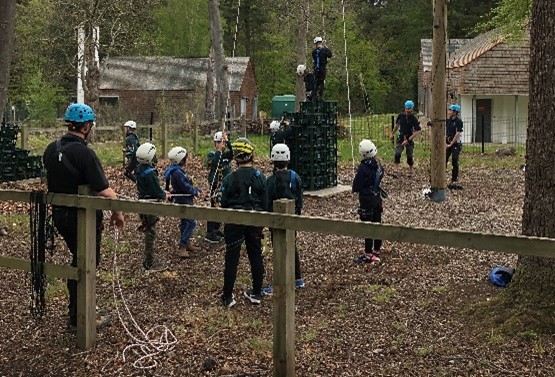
[412, 315]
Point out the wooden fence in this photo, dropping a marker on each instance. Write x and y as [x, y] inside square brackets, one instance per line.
[284, 223]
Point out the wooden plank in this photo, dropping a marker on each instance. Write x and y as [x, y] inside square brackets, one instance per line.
[522, 245]
[50, 269]
[86, 286]
[284, 295]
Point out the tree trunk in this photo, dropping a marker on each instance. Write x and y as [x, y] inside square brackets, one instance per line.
[220, 67]
[209, 98]
[7, 29]
[301, 54]
[532, 291]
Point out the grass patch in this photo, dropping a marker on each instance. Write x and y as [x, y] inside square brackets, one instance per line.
[55, 288]
[309, 335]
[424, 351]
[439, 289]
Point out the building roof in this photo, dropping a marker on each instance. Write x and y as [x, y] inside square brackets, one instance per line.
[426, 51]
[474, 48]
[164, 73]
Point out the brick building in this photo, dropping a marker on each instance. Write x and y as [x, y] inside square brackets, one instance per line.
[489, 78]
[141, 85]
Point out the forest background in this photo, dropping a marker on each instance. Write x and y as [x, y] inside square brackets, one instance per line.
[382, 40]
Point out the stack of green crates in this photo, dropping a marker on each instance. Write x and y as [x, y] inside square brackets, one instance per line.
[314, 144]
[15, 163]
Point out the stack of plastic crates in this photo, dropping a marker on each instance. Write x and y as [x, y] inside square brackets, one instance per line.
[314, 144]
[15, 163]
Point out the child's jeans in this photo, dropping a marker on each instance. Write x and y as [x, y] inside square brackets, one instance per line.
[187, 226]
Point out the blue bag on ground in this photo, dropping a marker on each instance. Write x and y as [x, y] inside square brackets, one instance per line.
[501, 275]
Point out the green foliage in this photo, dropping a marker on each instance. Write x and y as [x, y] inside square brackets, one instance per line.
[510, 17]
[41, 99]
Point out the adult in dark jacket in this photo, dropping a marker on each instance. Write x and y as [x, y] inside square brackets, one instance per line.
[367, 185]
[131, 145]
[409, 127]
[320, 56]
[453, 142]
[70, 163]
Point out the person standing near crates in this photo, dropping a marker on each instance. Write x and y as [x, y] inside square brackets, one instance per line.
[70, 163]
[320, 56]
[131, 145]
[409, 127]
[453, 142]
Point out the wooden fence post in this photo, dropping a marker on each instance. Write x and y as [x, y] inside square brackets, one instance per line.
[284, 295]
[24, 136]
[164, 140]
[86, 264]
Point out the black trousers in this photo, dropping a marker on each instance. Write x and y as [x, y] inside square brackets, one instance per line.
[319, 79]
[65, 221]
[454, 151]
[234, 237]
[371, 210]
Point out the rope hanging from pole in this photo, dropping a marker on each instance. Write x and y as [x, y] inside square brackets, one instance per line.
[348, 84]
[38, 229]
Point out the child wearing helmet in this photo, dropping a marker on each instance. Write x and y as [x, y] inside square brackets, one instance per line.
[285, 183]
[219, 162]
[320, 56]
[245, 189]
[131, 145]
[367, 184]
[148, 186]
[308, 79]
[183, 192]
[453, 142]
[409, 127]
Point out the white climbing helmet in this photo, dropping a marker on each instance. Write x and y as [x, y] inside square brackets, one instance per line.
[130, 124]
[219, 136]
[301, 68]
[280, 152]
[367, 149]
[145, 153]
[274, 126]
[318, 40]
[176, 155]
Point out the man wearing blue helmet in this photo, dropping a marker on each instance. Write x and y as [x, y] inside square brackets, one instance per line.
[453, 145]
[70, 163]
[409, 127]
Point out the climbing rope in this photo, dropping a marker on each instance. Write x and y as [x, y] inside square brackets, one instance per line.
[348, 84]
[37, 223]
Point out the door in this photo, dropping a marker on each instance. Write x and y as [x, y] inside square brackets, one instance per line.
[483, 121]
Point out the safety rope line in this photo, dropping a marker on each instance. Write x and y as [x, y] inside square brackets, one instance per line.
[149, 345]
[348, 84]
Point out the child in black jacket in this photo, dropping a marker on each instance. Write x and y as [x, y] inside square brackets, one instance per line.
[367, 185]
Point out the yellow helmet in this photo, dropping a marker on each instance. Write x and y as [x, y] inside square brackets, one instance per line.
[242, 149]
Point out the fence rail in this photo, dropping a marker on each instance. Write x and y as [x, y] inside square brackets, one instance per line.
[284, 224]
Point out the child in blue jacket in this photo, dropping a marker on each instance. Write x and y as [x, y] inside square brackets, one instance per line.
[183, 192]
[367, 185]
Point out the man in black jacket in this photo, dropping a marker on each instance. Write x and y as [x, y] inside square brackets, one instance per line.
[320, 56]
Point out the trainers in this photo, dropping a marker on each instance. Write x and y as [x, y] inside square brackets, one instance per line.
[299, 283]
[253, 298]
[183, 253]
[213, 238]
[155, 266]
[367, 258]
[229, 302]
[268, 291]
[3, 232]
[103, 319]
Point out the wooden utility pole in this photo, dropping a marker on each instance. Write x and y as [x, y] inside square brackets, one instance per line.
[301, 53]
[439, 102]
[7, 30]
[220, 66]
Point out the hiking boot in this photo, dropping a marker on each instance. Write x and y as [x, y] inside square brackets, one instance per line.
[367, 258]
[182, 252]
[229, 302]
[155, 266]
[191, 247]
[212, 238]
[299, 283]
[253, 298]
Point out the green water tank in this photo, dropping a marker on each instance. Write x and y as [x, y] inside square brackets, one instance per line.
[284, 103]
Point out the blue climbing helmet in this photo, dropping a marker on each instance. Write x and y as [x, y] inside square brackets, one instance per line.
[455, 107]
[79, 113]
[409, 104]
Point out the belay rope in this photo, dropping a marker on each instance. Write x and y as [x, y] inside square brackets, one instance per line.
[42, 238]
